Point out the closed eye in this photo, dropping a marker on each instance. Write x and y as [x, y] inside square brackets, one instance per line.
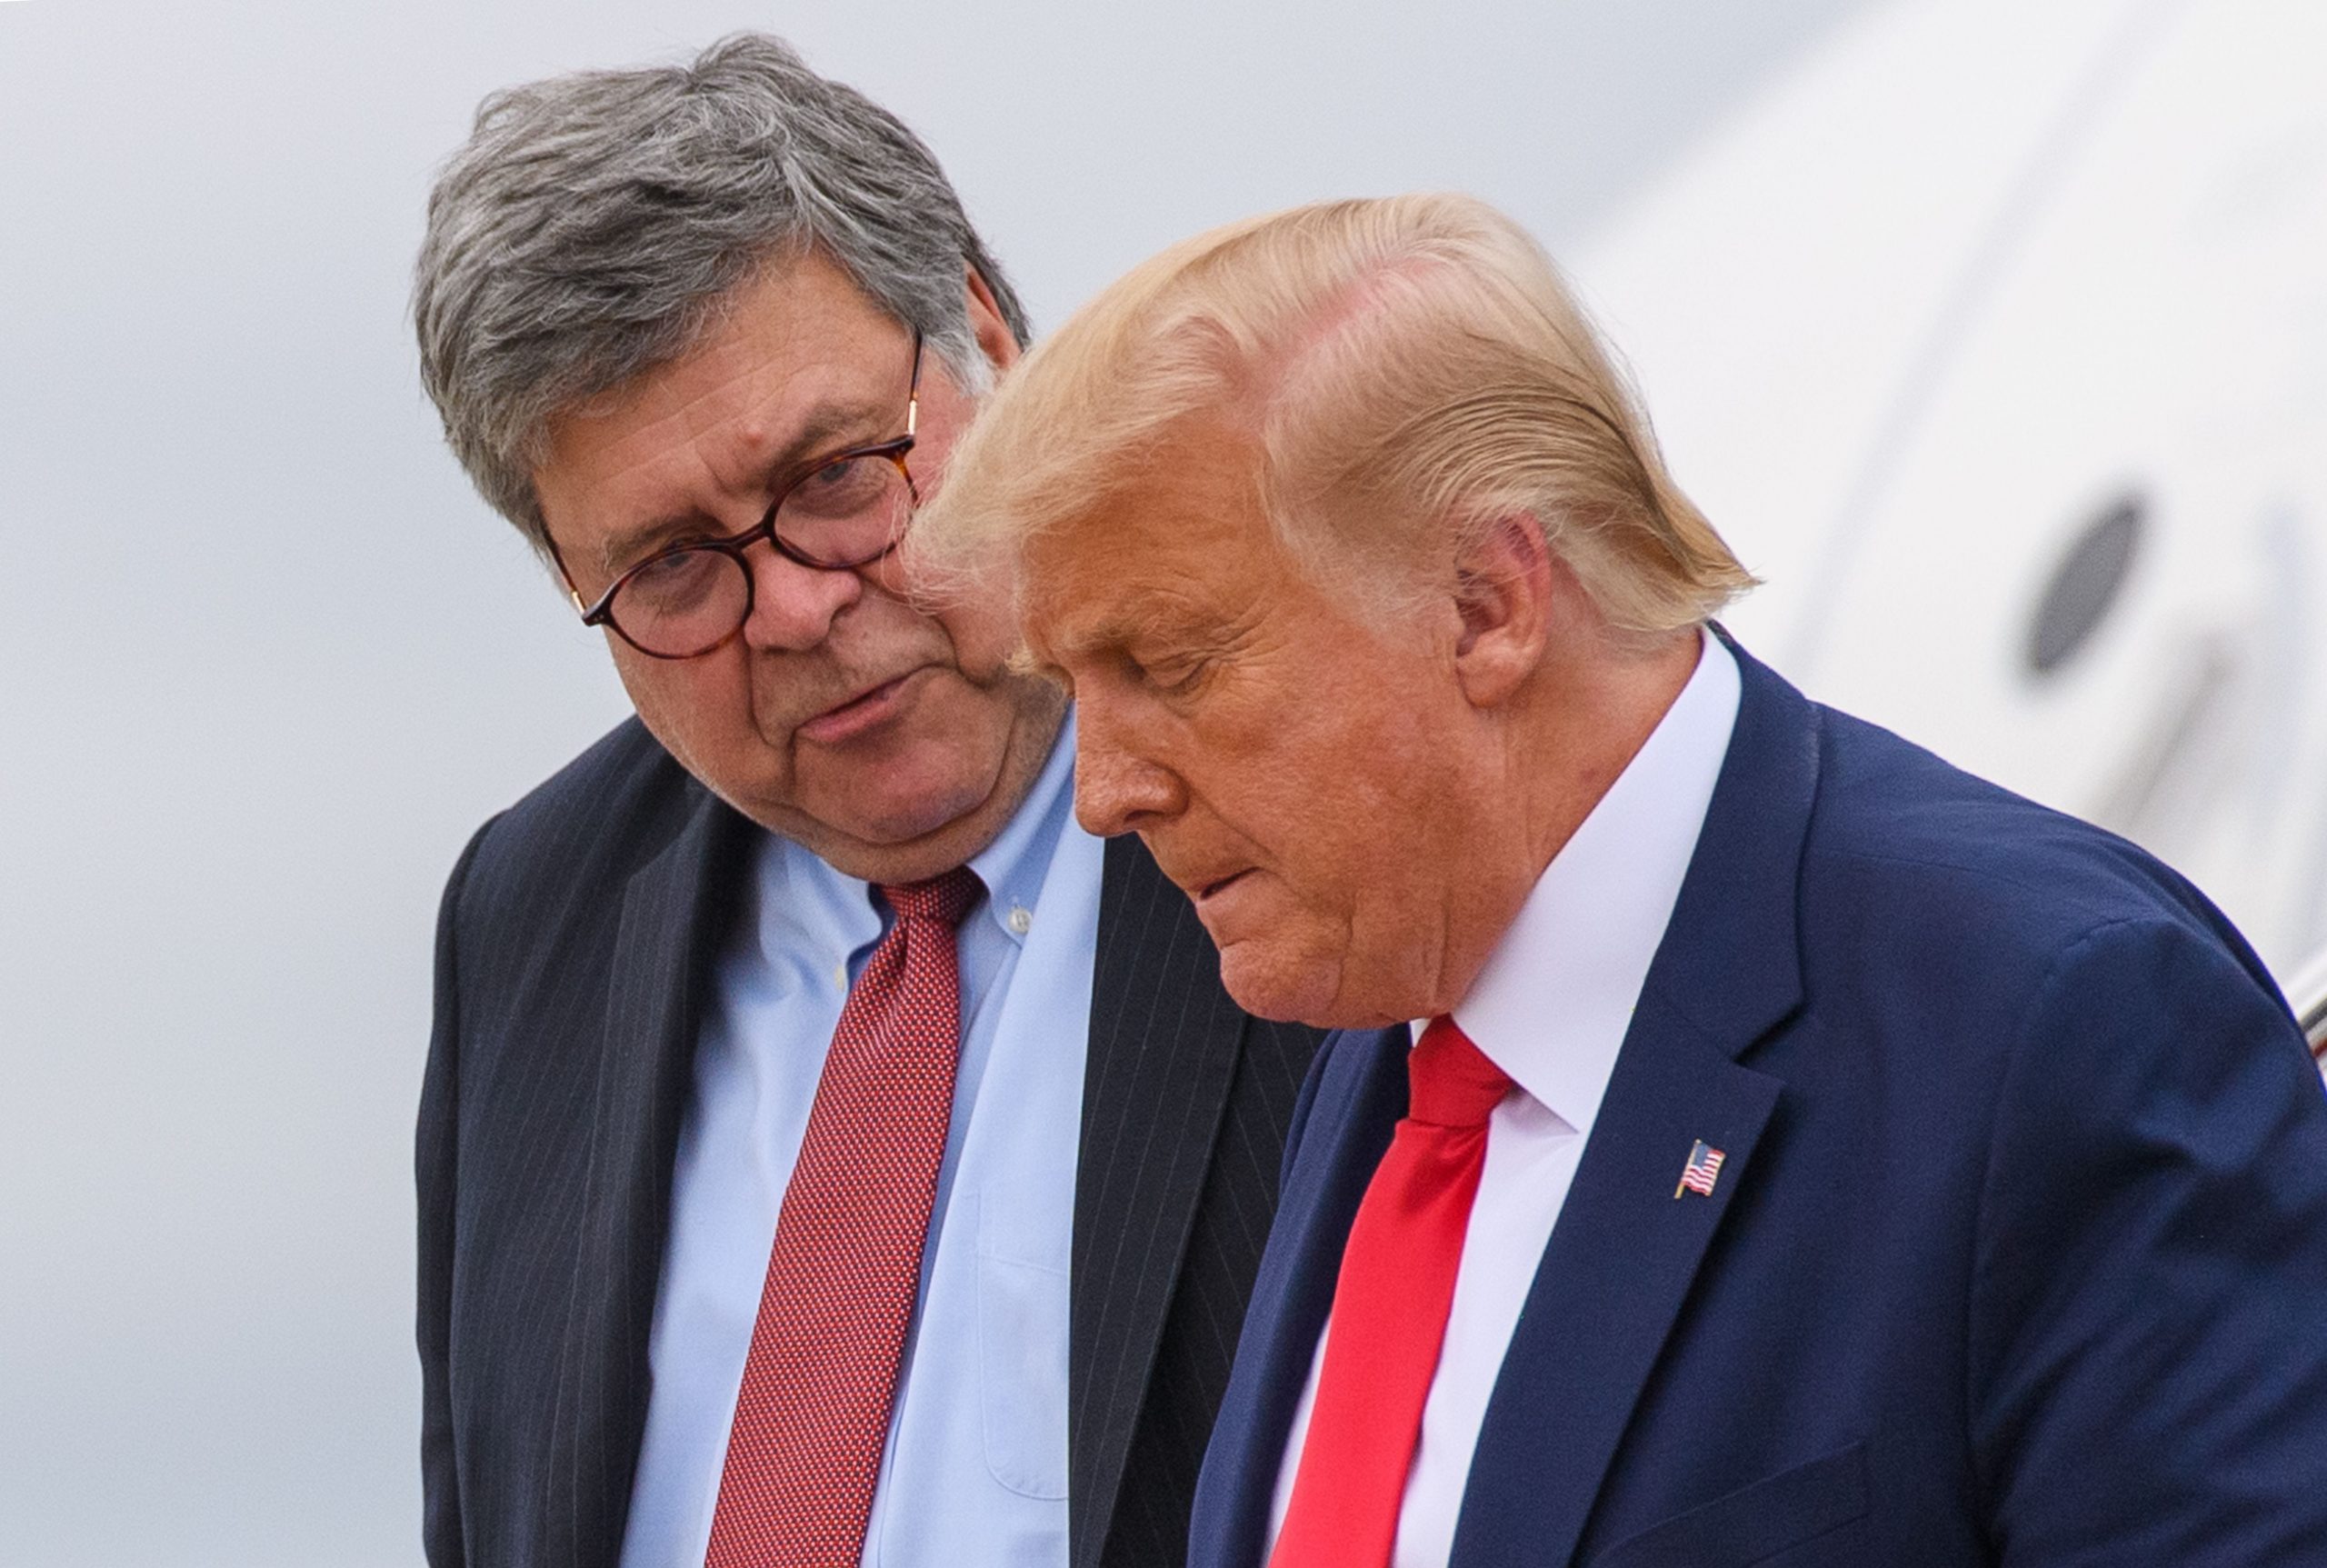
[1169, 676]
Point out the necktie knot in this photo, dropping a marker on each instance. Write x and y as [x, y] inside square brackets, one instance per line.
[1451, 1082]
[945, 898]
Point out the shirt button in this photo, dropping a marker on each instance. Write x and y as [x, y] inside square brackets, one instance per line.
[1021, 919]
[840, 974]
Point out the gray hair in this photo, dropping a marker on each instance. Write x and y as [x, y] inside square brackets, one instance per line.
[594, 225]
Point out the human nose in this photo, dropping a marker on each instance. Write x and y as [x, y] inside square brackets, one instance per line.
[1121, 783]
[793, 606]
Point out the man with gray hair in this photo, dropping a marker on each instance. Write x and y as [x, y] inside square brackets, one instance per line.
[1748, 1140]
[828, 1153]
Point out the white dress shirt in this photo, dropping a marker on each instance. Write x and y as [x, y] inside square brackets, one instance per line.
[1551, 1009]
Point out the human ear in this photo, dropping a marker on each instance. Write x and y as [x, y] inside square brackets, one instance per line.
[1503, 594]
[993, 334]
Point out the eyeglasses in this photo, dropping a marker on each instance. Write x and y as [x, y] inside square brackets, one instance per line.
[835, 513]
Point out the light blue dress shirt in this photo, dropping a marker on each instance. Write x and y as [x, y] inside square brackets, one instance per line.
[975, 1468]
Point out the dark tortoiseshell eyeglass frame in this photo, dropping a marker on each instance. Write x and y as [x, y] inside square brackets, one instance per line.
[602, 610]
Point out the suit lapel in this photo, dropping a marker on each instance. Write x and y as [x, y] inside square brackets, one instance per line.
[1622, 1256]
[1360, 1093]
[1164, 1039]
[675, 910]
[1612, 1281]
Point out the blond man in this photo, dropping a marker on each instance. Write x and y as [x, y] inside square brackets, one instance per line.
[1748, 1140]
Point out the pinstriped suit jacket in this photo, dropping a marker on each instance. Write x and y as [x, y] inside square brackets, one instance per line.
[572, 959]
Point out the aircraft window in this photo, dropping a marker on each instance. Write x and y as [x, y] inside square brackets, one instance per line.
[2086, 584]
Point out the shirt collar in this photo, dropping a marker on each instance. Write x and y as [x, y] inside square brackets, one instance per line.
[1011, 867]
[1014, 866]
[1552, 1005]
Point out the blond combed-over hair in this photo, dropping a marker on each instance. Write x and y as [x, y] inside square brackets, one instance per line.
[1409, 369]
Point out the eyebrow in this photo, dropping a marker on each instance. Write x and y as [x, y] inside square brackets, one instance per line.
[821, 433]
[1149, 620]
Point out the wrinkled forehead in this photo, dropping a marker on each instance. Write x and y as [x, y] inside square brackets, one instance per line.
[799, 362]
[1175, 533]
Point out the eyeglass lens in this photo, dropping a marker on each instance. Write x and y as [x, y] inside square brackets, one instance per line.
[688, 602]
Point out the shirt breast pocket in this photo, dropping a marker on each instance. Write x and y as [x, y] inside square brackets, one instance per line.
[1021, 1369]
[1811, 1516]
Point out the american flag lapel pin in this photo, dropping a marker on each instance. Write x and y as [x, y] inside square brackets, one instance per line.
[1701, 1172]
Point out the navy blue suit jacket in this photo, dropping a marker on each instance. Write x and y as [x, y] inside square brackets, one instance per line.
[2019, 1254]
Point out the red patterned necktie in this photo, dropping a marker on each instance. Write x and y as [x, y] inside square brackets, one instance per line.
[812, 1417]
[1390, 1305]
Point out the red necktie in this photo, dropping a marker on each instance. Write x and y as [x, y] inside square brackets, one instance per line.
[813, 1416]
[1389, 1306]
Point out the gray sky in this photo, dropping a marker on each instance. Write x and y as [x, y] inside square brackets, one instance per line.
[269, 661]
